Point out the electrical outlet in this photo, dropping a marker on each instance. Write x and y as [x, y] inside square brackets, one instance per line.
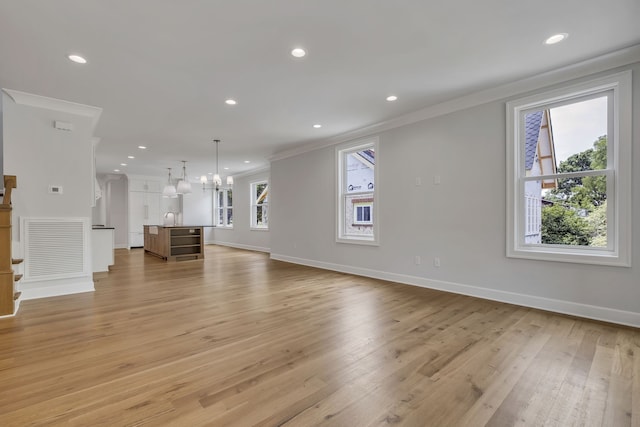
[55, 189]
[436, 262]
[418, 260]
[418, 181]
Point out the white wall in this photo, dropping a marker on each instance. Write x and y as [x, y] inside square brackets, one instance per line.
[241, 235]
[197, 209]
[99, 211]
[111, 209]
[40, 156]
[455, 221]
[117, 210]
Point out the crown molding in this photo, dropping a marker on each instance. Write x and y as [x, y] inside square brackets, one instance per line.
[252, 172]
[580, 69]
[31, 100]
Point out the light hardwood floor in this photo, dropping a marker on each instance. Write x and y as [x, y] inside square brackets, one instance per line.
[240, 340]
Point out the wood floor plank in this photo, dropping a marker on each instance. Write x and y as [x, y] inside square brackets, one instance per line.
[238, 339]
[530, 401]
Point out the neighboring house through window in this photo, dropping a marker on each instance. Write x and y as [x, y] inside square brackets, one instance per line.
[539, 159]
[362, 211]
[569, 173]
[260, 205]
[357, 192]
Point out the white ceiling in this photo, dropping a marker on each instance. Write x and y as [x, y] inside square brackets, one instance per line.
[162, 69]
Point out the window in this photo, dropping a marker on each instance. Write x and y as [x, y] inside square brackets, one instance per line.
[224, 208]
[362, 212]
[260, 205]
[357, 192]
[569, 173]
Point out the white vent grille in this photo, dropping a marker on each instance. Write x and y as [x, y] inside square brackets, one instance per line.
[54, 248]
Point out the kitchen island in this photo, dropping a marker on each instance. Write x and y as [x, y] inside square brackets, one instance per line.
[174, 243]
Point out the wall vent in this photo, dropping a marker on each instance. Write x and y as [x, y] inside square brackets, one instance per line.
[54, 248]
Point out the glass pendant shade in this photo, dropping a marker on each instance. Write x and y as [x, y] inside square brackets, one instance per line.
[217, 180]
[169, 190]
[184, 186]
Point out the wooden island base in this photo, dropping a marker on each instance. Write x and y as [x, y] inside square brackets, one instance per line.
[177, 243]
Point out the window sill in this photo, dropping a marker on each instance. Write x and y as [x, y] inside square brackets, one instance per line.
[259, 228]
[578, 256]
[358, 241]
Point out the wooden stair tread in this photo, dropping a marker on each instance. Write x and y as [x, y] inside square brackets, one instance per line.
[15, 261]
[16, 295]
[17, 277]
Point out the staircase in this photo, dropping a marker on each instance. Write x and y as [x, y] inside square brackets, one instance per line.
[9, 296]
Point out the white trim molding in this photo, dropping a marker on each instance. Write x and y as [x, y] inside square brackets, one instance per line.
[585, 68]
[342, 219]
[628, 318]
[31, 100]
[47, 255]
[618, 173]
[56, 288]
[239, 246]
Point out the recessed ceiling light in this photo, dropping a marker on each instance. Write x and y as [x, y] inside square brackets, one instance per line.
[556, 38]
[142, 147]
[77, 59]
[392, 98]
[317, 126]
[298, 52]
[226, 169]
[230, 102]
[123, 164]
[116, 170]
[247, 161]
[210, 173]
[130, 157]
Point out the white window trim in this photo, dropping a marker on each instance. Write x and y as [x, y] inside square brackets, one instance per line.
[253, 205]
[340, 175]
[225, 208]
[618, 253]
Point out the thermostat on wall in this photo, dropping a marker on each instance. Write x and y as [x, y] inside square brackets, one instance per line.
[55, 189]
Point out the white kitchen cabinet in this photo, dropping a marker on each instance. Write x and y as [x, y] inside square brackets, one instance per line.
[102, 243]
[144, 207]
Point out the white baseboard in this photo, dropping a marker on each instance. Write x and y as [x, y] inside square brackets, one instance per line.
[35, 290]
[621, 317]
[15, 308]
[239, 246]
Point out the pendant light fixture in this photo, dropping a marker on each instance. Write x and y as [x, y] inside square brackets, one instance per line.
[184, 186]
[169, 190]
[217, 181]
